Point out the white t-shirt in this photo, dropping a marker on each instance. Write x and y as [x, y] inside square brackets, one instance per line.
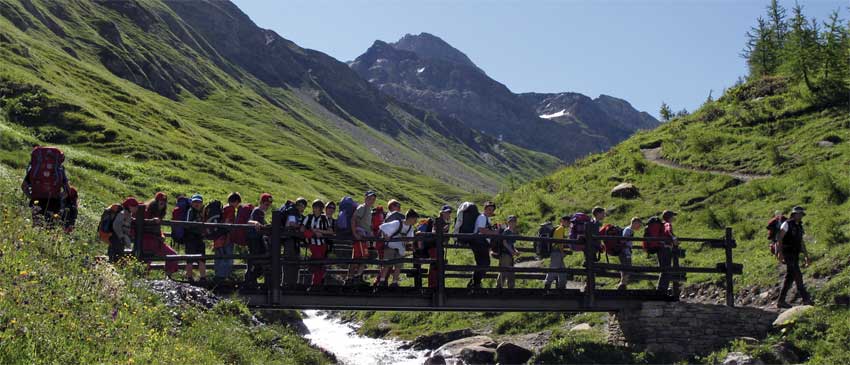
[628, 232]
[481, 222]
[391, 228]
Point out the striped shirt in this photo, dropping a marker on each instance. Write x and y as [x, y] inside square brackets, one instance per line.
[316, 223]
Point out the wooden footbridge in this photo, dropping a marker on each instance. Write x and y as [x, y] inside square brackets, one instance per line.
[286, 270]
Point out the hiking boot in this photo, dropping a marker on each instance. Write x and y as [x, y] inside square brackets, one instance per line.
[808, 302]
[782, 304]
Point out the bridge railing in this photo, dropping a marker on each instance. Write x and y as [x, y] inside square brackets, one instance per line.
[286, 263]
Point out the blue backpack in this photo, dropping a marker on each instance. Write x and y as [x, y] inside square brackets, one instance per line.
[346, 210]
[179, 214]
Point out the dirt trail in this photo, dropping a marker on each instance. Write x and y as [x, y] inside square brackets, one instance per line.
[654, 155]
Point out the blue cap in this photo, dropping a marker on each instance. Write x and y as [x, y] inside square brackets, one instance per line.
[370, 193]
[197, 198]
[446, 209]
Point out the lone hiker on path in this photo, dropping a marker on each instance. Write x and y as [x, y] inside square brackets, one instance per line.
[791, 245]
[665, 254]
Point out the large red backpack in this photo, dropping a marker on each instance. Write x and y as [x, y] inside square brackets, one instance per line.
[612, 247]
[654, 228]
[243, 215]
[46, 175]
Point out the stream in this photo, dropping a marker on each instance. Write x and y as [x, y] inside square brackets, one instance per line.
[342, 340]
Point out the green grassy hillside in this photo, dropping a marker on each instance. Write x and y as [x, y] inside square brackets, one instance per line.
[141, 102]
[58, 306]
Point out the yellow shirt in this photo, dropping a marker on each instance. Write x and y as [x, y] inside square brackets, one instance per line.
[560, 233]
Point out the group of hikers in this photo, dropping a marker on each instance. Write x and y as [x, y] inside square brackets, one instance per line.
[369, 228]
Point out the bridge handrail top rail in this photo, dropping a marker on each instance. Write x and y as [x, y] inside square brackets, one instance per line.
[424, 235]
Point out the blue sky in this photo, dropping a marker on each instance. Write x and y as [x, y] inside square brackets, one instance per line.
[643, 51]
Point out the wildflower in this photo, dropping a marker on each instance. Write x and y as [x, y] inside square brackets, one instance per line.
[13, 321]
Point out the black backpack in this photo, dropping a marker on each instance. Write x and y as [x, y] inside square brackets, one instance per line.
[212, 213]
[470, 215]
[543, 249]
[289, 209]
[497, 245]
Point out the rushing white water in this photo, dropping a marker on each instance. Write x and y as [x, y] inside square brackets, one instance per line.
[352, 349]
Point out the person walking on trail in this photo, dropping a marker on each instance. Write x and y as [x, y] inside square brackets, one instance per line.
[193, 239]
[625, 255]
[315, 226]
[224, 245]
[394, 249]
[481, 247]
[257, 240]
[507, 252]
[361, 224]
[45, 184]
[121, 225]
[790, 247]
[153, 240]
[665, 253]
[430, 245]
[556, 257]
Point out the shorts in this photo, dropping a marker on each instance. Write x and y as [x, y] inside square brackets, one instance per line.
[360, 250]
[392, 254]
[194, 247]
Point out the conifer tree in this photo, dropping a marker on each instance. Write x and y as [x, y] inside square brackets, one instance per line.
[665, 112]
[802, 50]
[836, 43]
[762, 57]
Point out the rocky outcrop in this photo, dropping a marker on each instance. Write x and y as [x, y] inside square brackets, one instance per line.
[679, 328]
[508, 353]
[738, 358]
[625, 191]
[790, 316]
[437, 339]
[470, 350]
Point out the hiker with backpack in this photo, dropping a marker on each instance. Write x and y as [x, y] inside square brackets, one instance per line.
[556, 256]
[666, 250]
[506, 251]
[314, 227]
[153, 240]
[429, 245]
[226, 243]
[470, 221]
[361, 229]
[395, 250]
[378, 218]
[625, 250]
[790, 246]
[256, 240]
[193, 239]
[45, 184]
[178, 214]
[773, 227]
[70, 210]
[121, 225]
[214, 213]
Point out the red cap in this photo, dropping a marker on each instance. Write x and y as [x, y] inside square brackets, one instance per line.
[160, 196]
[265, 197]
[130, 202]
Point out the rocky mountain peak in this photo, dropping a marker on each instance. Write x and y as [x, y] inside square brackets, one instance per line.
[429, 46]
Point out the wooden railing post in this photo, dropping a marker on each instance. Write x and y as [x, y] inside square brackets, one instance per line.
[676, 284]
[274, 255]
[440, 294]
[589, 261]
[139, 228]
[291, 250]
[730, 294]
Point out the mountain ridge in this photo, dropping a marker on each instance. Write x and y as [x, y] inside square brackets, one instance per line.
[416, 72]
